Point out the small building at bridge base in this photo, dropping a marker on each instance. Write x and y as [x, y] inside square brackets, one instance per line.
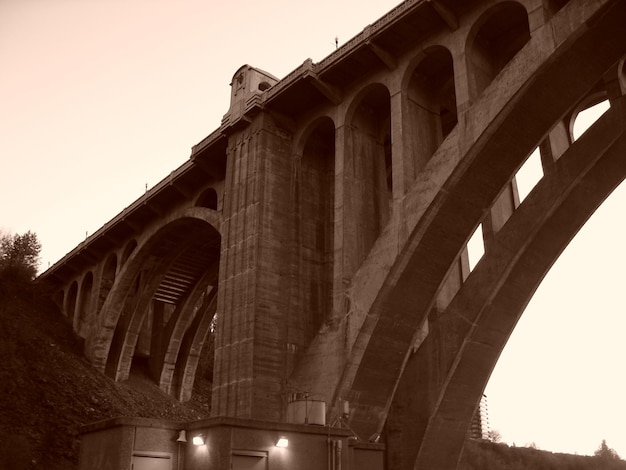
[222, 444]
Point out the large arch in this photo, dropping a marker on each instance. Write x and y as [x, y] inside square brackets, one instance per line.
[444, 217]
[469, 335]
[167, 268]
[524, 251]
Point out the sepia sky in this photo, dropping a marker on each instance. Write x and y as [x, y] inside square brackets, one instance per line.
[100, 98]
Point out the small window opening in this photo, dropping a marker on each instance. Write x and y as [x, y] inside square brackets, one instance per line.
[475, 247]
[587, 117]
[529, 174]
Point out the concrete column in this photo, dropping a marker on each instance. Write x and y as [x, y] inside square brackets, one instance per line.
[401, 149]
[254, 275]
[502, 209]
[339, 279]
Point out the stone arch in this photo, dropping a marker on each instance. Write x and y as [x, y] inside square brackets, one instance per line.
[107, 278]
[313, 207]
[191, 344]
[368, 175]
[479, 320]
[431, 102]
[494, 39]
[84, 304]
[70, 305]
[128, 250]
[208, 199]
[182, 335]
[164, 270]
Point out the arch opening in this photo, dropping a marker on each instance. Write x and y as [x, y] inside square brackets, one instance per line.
[432, 103]
[584, 280]
[497, 36]
[529, 174]
[585, 118]
[156, 302]
[314, 207]
[71, 301]
[86, 288]
[208, 199]
[108, 278]
[369, 172]
[476, 247]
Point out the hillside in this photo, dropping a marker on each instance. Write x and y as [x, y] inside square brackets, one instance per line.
[48, 390]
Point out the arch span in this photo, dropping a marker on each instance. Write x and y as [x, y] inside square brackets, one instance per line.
[154, 296]
[469, 335]
[497, 133]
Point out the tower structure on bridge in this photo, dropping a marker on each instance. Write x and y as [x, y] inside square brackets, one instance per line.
[326, 221]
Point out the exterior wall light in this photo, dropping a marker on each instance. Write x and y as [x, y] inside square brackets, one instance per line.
[198, 440]
[282, 442]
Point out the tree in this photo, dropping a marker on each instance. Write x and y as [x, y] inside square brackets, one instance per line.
[605, 452]
[494, 435]
[19, 256]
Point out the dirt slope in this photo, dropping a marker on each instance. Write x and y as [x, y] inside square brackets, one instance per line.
[48, 390]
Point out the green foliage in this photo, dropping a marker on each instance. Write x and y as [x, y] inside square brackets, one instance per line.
[19, 257]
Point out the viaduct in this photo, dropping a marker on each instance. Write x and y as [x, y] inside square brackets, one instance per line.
[322, 229]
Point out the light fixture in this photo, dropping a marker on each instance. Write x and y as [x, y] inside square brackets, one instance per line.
[198, 440]
[282, 442]
[182, 436]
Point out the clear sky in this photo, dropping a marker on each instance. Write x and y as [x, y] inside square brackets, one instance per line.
[100, 98]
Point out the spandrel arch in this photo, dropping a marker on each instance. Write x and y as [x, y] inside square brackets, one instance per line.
[431, 96]
[368, 171]
[497, 36]
[313, 203]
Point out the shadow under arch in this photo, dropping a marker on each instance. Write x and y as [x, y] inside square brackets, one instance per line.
[368, 172]
[313, 208]
[169, 265]
[429, 87]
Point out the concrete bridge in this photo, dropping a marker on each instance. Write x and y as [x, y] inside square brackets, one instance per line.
[323, 228]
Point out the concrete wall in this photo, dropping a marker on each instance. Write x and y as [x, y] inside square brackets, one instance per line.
[111, 444]
[229, 444]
